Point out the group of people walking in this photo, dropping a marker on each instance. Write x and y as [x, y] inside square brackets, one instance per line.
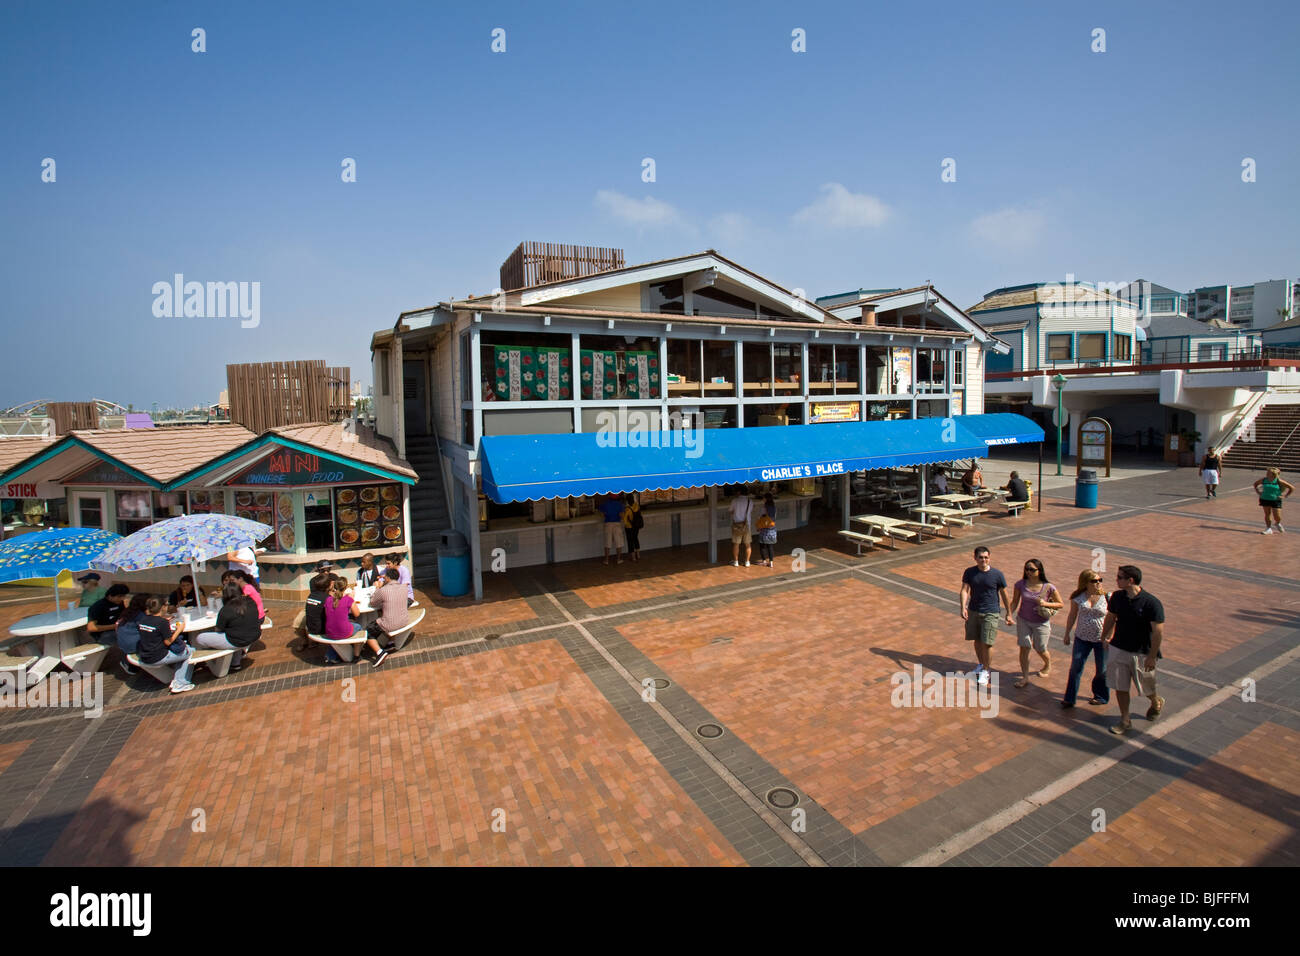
[1121, 631]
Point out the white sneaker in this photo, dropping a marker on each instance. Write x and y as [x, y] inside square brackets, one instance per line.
[1269, 530]
[736, 564]
[746, 564]
[1280, 529]
[983, 677]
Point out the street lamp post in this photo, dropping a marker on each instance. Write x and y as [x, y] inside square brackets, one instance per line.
[1059, 381]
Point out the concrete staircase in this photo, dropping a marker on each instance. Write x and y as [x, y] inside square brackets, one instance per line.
[428, 506]
[1277, 441]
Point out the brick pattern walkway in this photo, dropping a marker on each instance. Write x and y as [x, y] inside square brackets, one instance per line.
[519, 730]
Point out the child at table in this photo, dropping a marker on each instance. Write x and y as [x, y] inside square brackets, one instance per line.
[340, 611]
[162, 645]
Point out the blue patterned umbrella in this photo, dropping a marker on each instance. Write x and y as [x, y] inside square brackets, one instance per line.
[188, 539]
[48, 553]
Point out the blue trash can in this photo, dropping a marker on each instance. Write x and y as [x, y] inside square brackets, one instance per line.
[453, 564]
[1085, 488]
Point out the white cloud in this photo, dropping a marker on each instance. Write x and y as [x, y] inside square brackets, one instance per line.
[643, 212]
[732, 228]
[841, 209]
[1010, 228]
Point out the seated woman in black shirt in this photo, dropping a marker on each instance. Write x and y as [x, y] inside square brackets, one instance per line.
[237, 624]
[162, 644]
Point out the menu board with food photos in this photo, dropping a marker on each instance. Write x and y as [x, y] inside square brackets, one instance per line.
[266, 507]
[368, 517]
[207, 502]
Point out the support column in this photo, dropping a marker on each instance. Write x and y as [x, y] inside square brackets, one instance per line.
[713, 538]
[846, 488]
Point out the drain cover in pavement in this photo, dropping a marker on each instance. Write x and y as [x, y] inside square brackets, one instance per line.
[782, 798]
[660, 683]
[491, 637]
[709, 731]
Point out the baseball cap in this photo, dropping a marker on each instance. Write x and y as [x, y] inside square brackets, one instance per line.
[92, 576]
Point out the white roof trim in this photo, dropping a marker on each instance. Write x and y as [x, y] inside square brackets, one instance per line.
[902, 300]
[669, 270]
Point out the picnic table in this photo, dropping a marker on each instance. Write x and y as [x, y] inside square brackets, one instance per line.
[946, 516]
[957, 499]
[889, 528]
[56, 632]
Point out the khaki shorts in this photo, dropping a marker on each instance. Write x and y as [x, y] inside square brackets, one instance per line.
[1033, 635]
[1124, 668]
[983, 627]
[613, 535]
[740, 532]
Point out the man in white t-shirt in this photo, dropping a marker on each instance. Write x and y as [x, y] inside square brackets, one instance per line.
[245, 559]
[742, 527]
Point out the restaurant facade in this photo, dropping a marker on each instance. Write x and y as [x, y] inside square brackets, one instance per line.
[328, 491]
[649, 364]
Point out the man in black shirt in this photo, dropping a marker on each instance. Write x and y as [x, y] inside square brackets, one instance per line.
[101, 617]
[1016, 487]
[1137, 620]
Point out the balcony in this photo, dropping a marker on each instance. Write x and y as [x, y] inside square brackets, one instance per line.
[1251, 359]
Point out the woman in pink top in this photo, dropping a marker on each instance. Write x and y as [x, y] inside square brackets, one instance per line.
[340, 610]
[243, 580]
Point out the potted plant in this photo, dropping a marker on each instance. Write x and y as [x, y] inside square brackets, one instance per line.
[1187, 447]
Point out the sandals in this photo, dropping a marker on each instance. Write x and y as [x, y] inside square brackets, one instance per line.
[1156, 708]
[1022, 682]
[1121, 728]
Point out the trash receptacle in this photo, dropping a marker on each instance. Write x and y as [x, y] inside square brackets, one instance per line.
[1085, 488]
[453, 564]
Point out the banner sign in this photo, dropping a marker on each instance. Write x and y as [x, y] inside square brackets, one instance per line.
[31, 489]
[834, 412]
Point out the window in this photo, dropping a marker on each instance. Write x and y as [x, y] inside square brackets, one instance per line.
[787, 361]
[958, 367]
[757, 359]
[719, 367]
[848, 377]
[466, 373]
[318, 521]
[877, 371]
[1058, 348]
[134, 511]
[684, 367]
[1092, 346]
[1205, 352]
[665, 297]
[383, 373]
[713, 301]
[1123, 346]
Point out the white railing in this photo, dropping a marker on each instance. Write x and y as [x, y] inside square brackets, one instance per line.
[1240, 423]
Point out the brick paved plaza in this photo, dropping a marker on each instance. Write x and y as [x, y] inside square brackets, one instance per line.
[515, 731]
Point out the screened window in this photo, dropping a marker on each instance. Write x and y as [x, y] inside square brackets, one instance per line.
[1123, 346]
[1092, 346]
[1058, 348]
[958, 367]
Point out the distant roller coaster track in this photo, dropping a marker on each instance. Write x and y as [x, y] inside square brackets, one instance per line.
[27, 409]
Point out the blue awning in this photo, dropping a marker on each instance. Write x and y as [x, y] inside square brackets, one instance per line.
[530, 467]
[1001, 428]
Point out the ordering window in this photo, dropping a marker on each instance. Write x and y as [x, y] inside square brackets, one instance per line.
[318, 521]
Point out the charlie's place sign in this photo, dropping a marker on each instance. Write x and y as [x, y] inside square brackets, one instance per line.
[803, 471]
[288, 467]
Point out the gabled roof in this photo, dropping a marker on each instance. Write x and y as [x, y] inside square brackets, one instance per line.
[905, 298]
[1033, 293]
[1179, 326]
[20, 448]
[659, 270]
[368, 448]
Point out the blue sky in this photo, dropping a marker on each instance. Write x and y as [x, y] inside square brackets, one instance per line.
[820, 170]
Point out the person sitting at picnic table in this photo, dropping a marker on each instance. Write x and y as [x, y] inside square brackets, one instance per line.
[973, 480]
[90, 590]
[339, 611]
[185, 594]
[389, 600]
[103, 615]
[367, 574]
[128, 630]
[248, 587]
[940, 483]
[237, 622]
[161, 645]
[1016, 488]
[403, 576]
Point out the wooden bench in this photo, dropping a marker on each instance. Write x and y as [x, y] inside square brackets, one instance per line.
[216, 658]
[858, 539]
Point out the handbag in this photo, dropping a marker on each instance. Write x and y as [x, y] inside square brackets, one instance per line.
[1047, 613]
